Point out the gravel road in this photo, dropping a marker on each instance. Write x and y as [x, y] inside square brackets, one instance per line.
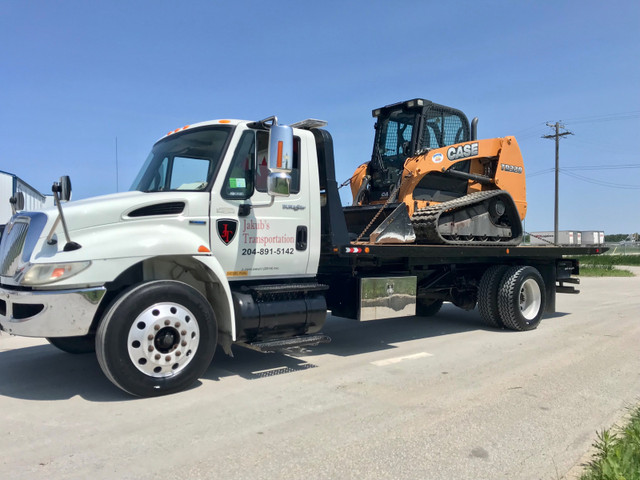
[437, 398]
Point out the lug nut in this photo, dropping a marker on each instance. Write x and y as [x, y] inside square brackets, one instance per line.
[157, 357]
[150, 348]
[177, 324]
[167, 322]
[156, 327]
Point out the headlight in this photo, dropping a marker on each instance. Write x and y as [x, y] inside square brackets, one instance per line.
[43, 273]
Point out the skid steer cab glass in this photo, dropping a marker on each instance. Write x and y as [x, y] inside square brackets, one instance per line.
[185, 161]
[45, 273]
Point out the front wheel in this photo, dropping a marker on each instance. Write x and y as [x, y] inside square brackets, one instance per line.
[521, 298]
[157, 338]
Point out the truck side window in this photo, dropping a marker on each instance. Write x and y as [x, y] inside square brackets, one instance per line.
[262, 169]
[159, 177]
[238, 183]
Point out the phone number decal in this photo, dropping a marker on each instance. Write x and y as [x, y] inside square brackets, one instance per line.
[267, 251]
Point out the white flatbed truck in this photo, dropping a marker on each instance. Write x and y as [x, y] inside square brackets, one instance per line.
[233, 233]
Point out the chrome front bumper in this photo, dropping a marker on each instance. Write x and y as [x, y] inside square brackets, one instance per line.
[53, 313]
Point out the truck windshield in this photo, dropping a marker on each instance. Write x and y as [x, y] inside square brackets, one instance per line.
[183, 161]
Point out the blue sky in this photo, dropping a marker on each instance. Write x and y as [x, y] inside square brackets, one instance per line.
[76, 75]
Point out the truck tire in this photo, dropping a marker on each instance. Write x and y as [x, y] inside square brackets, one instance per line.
[157, 338]
[427, 308]
[488, 295]
[521, 298]
[75, 345]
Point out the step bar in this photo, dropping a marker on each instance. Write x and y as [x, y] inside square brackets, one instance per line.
[270, 346]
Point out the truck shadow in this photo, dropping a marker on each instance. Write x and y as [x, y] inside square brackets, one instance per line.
[45, 373]
[348, 338]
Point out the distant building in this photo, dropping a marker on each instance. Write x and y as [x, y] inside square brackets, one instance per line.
[10, 184]
[565, 237]
[593, 237]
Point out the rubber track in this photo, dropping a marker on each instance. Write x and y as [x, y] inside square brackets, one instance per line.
[425, 220]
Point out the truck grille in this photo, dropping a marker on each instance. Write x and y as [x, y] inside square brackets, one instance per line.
[12, 245]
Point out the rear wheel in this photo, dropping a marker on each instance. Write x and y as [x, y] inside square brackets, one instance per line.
[521, 298]
[488, 295]
[75, 345]
[157, 338]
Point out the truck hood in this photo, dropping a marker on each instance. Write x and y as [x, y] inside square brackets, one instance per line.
[115, 208]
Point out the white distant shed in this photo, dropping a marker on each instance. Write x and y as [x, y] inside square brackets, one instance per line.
[10, 184]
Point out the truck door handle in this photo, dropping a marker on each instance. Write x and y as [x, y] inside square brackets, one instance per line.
[301, 238]
[244, 210]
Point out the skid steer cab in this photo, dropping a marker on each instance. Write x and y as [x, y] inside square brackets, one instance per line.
[456, 189]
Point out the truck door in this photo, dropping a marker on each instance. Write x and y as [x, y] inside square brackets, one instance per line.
[253, 234]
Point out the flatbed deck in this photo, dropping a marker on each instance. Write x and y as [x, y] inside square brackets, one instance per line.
[446, 253]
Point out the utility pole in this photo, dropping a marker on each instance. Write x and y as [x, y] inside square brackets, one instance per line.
[117, 186]
[557, 136]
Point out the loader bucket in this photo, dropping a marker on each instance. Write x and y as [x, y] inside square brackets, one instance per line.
[396, 228]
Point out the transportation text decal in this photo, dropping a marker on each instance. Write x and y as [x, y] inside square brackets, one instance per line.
[259, 239]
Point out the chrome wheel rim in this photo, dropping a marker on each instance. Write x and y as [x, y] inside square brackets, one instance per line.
[163, 339]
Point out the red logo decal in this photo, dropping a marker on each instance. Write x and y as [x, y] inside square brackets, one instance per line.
[227, 230]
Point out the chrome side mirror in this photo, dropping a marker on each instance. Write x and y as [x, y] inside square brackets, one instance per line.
[17, 202]
[280, 160]
[65, 188]
[279, 184]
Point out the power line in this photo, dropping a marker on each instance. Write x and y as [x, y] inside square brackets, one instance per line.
[602, 167]
[606, 117]
[541, 172]
[602, 183]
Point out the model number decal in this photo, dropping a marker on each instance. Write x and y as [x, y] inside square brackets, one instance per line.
[510, 168]
[463, 151]
[267, 251]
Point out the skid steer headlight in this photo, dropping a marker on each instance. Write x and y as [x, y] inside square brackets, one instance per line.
[41, 274]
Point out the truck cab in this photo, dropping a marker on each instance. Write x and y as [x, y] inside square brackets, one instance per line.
[223, 167]
[218, 221]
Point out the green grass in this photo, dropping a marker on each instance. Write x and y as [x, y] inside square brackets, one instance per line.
[617, 455]
[604, 271]
[632, 260]
[605, 265]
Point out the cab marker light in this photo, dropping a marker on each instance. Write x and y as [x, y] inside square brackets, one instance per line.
[203, 249]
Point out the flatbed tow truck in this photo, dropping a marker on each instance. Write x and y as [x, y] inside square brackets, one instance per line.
[233, 233]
